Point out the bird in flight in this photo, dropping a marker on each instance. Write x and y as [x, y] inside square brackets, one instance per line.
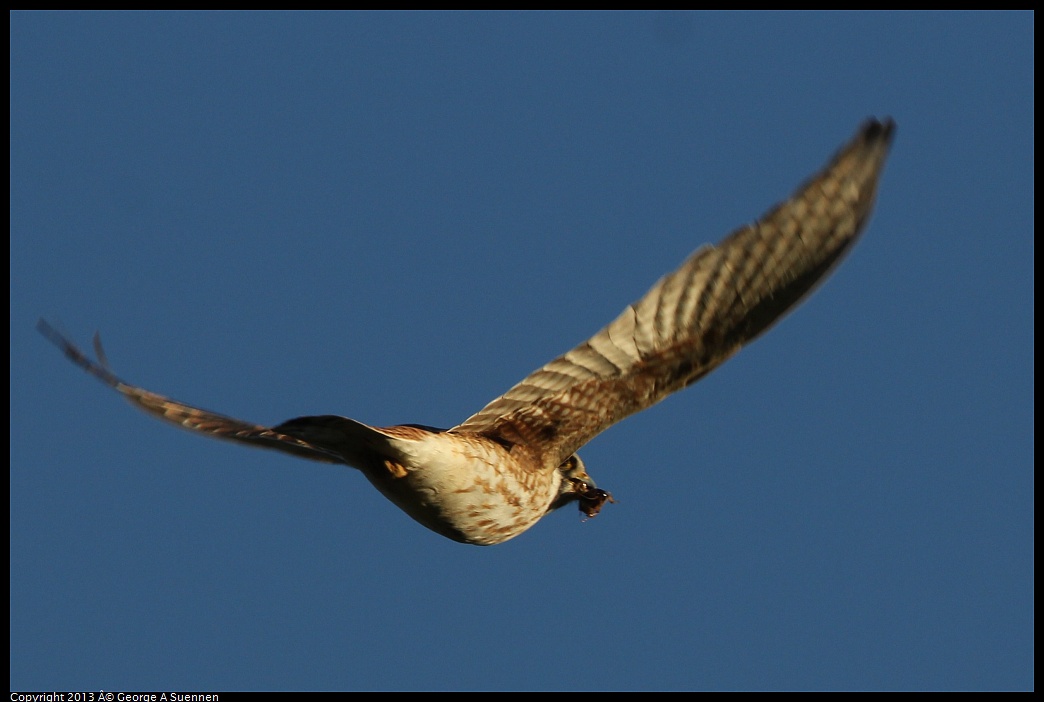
[500, 471]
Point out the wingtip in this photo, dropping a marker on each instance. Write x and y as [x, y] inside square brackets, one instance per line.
[879, 129]
[99, 369]
[50, 333]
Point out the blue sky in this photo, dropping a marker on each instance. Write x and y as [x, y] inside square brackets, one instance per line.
[395, 217]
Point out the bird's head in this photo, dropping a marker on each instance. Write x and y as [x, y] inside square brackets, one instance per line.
[578, 485]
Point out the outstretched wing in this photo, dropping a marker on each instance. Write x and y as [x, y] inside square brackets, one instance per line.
[188, 417]
[695, 318]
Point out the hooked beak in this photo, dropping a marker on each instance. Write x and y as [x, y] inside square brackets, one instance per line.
[591, 498]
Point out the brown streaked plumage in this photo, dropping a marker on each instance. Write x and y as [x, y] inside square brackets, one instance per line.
[501, 470]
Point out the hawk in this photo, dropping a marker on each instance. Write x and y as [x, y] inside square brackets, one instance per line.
[500, 471]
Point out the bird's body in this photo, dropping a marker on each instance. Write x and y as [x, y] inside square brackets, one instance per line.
[458, 484]
[499, 472]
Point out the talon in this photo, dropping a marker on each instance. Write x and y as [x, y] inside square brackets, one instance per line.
[396, 470]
